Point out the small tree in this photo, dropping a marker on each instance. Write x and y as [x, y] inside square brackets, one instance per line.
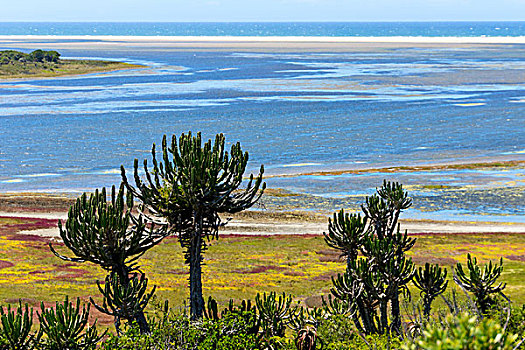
[480, 282]
[188, 188]
[37, 56]
[107, 234]
[431, 281]
[51, 56]
[373, 281]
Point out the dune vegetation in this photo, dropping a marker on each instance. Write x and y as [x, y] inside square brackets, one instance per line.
[39, 63]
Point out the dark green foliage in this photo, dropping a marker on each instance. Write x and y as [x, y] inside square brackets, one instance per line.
[274, 313]
[188, 188]
[233, 331]
[371, 284]
[480, 282]
[12, 56]
[37, 56]
[51, 56]
[108, 234]
[66, 327]
[302, 318]
[124, 300]
[431, 281]
[15, 333]
[516, 322]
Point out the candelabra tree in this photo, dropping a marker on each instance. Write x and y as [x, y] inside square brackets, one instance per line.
[480, 281]
[431, 281]
[187, 188]
[106, 233]
[373, 281]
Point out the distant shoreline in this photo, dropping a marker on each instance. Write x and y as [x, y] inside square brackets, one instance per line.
[286, 39]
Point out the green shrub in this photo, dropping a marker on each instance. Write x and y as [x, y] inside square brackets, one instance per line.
[232, 331]
[464, 332]
[517, 321]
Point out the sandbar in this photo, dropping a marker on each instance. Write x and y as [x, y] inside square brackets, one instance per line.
[248, 43]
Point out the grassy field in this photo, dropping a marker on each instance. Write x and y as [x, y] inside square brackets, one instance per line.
[63, 67]
[235, 266]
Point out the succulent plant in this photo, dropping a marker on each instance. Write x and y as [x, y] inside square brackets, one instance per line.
[188, 187]
[16, 328]
[66, 327]
[480, 281]
[431, 281]
[372, 283]
[107, 233]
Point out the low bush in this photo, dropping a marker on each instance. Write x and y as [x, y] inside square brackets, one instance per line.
[464, 332]
[235, 330]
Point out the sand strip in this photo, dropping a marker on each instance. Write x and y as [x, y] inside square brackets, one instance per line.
[272, 224]
[247, 43]
[281, 39]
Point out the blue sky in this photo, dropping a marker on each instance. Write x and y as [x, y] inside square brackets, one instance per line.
[261, 10]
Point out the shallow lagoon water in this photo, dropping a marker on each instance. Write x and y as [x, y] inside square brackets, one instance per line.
[294, 113]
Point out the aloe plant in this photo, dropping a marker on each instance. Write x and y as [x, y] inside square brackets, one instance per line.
[187, 188]
[66, 327]
[431, 281]
[16, 328]
[480, 281]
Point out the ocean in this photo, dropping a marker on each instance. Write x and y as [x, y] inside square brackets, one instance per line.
[306, 116]
[366, 29]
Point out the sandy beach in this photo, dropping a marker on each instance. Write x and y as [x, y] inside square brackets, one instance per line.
[249, 43]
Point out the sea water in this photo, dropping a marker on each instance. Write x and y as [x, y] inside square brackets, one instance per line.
[434, 29]
[297, 113]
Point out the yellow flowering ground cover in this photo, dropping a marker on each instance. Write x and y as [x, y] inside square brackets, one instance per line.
[235, 266]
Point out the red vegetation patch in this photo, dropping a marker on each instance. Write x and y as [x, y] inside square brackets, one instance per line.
[294, 273]
[65, 273]
[325, 277]
[260, 269]
[463, 233]
[28, 301]
[273, 236]
[27, 238]
[516, 257]
[421, 260]
[4, 264]
[328, 255]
